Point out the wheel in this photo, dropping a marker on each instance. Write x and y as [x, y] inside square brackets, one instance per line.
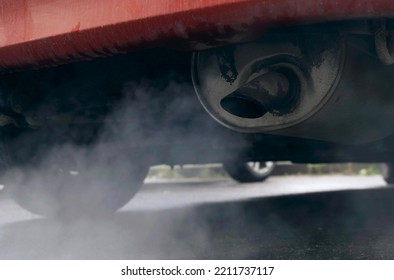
[246, 172]
[387, 170]
[83, 186]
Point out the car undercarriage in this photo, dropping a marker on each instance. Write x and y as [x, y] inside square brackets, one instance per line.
[305, 93]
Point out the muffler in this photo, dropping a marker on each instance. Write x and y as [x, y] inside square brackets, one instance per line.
[320, 86]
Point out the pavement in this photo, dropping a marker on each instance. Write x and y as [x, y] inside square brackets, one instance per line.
[289, 217]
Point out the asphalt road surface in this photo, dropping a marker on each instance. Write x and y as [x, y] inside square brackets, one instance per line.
[328, 217]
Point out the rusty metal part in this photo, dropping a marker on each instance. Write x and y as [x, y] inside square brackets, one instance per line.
[227, 65]
[36, 33]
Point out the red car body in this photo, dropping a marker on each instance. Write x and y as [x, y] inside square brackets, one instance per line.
[49, 32]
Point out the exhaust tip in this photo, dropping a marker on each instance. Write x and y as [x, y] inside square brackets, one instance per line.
[242, 107]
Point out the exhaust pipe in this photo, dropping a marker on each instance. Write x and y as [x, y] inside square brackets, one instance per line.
[326, 88]
[269, 92]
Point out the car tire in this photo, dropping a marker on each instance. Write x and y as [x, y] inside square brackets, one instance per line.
[248, 172]
[387, 170]
[96, 189]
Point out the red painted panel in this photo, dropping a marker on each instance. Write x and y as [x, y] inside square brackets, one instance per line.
[38, 32]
